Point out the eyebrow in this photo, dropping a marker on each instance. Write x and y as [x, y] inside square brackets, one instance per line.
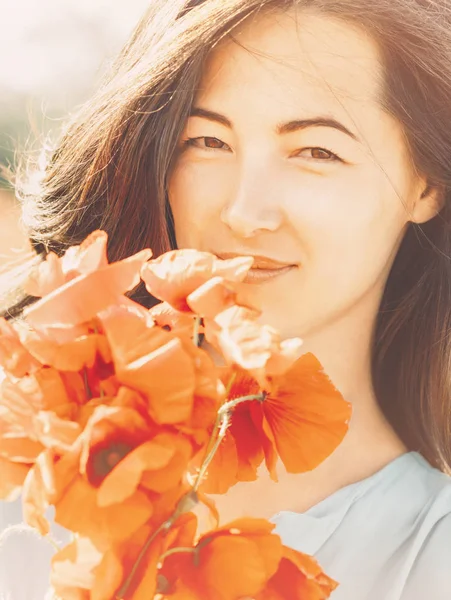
[281, 128]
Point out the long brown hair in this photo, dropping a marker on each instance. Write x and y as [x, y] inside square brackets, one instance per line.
[110, 170]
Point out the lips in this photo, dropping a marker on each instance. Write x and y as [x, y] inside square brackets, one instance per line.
[263, 268]
[260, 262]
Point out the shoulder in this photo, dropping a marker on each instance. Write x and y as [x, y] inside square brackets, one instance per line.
[430, 572]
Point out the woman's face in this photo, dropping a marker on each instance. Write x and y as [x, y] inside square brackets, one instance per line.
[293, 158]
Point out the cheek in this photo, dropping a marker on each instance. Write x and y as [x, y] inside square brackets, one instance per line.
[197, 193]
[351, 228]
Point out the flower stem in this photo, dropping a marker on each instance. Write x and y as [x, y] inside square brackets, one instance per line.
[224, 422]
[176, 551]
[230, 405]
[185, 502]
[86, 382]
[196, 336]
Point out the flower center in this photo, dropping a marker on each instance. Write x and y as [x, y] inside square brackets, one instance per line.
[104, 461]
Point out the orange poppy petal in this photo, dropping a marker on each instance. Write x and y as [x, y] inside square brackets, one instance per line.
[168, 317]
[108, 576]
[212, 297]
[89, 256]
[12, 479]
[47, 277]
[17, 447]
[222, 471]
[74, 302]
[14, 357]
[176, 274]
[39, 490]
[123, 480]
[248, 440]
[169, 476]
[70, 356]
[72, 574]
[24, 398]
[145, 360]
[232, 562]
[298, 577]
[103, 525]
[54, 432]
[233, 567]
[307, 415]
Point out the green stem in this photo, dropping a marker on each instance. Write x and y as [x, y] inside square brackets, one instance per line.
[183, 505]
[230, 405]
[224, 424]
[176, 551]
[196, 335]
[221, 425]
[86, 382]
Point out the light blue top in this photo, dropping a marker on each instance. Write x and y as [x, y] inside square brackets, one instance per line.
[387, 537]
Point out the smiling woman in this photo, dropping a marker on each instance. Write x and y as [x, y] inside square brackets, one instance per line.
[315, 136]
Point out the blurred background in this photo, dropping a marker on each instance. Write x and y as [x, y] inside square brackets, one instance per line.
[52, 54]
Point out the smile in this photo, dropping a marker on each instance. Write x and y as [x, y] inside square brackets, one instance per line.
[262, 275]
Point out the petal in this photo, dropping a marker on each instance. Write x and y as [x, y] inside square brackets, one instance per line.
[307, 415]
[239, 558]
[54, 432]
[47, 277]
[103, 525]
[176, 274]
[168, 317]
[299, 577]
[212, 297]
[248, 441]
[14, 357]
[255, 347]
[169, 476]
[89, 256]
[17, 447]
[24, 398]
[146, 359]
[108, 577]
[124, 479]
[72, 574]
[12, 479]
[79, 300]
[222, 471]
[70, 356]
[38, 491]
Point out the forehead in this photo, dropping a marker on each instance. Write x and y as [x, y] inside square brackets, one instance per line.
[295, 60]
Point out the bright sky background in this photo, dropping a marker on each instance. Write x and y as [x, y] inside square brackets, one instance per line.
[54, 48]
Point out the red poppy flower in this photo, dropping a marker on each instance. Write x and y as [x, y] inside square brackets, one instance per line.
[299, 577]
[146, 356]
[243, 559]
[66, 286]
[258, 349]
[116, 469]
[301, 421]
[80, 568]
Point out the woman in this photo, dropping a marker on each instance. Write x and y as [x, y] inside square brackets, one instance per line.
[315, 136]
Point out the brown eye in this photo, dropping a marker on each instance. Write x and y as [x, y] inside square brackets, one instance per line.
[320, 154]
[212, 142]
[209, 143]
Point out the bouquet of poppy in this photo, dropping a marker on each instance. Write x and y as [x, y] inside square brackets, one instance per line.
[115, 416]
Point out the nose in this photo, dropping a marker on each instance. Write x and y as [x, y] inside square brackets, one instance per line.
[254, 208]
